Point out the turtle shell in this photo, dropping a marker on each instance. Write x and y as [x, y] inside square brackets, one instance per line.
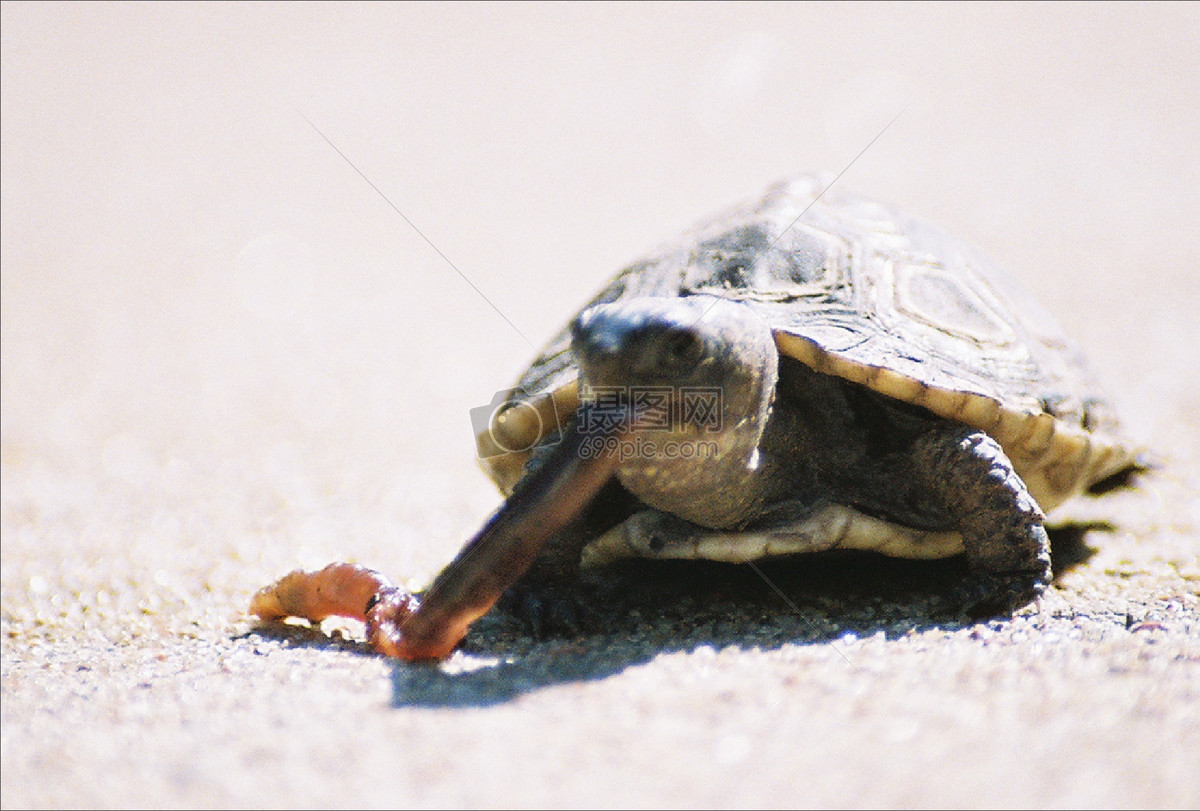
[854, 289]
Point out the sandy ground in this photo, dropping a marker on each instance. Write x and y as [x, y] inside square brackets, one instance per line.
[225, 355]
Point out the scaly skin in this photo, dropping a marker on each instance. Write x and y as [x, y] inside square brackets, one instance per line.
[1008, 551]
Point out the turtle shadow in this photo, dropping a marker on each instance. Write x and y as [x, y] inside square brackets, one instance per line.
[1068, 543]
[644, 609]
[639, 610]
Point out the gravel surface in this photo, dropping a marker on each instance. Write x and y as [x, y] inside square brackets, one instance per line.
[225, 356]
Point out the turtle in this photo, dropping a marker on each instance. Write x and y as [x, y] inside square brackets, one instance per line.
[810, 370]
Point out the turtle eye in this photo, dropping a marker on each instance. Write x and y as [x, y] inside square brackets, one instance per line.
[684, 346]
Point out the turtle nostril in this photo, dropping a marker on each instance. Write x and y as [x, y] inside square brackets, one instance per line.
[603, 344]
[603, 333]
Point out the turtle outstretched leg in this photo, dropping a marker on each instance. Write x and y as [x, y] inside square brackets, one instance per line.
[975, 485]
[430, 625]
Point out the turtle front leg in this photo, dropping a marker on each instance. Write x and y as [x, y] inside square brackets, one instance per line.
[429, 626]
[974, 483]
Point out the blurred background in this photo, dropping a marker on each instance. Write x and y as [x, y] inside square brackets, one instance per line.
[187, 262]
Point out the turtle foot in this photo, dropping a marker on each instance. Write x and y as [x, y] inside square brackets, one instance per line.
[984, 595]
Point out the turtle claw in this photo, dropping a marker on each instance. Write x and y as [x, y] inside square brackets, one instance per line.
[984, 595]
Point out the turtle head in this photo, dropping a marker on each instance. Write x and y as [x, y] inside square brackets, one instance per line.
[690, 342]
[698, 369]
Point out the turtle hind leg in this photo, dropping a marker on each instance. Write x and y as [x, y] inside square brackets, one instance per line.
[1008, 551]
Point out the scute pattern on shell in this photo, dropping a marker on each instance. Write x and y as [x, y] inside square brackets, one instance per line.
[855, 289]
